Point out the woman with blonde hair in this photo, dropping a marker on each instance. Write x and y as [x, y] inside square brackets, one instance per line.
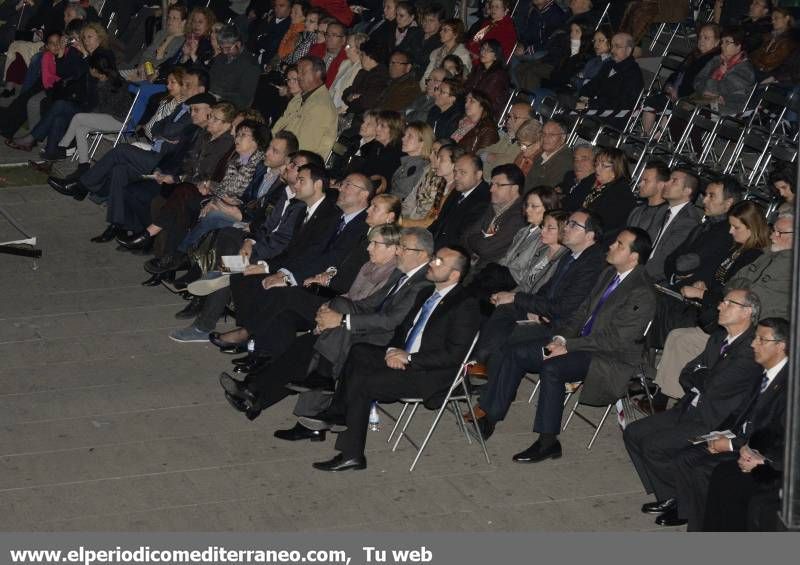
[417, 142]
[347, 70]
[422, 206]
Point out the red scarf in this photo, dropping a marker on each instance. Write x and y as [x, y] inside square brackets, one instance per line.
[720, 72]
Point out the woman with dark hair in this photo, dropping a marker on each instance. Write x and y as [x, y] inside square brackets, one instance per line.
[455, 67]
[498, 26]
[784, 182]
[423, 205]
[515, 267]
[476, 129]
[680, 84]
[611, 197]
[451, 35]
[408, 36]
[380, 158]
[727, 79]
[490, 76]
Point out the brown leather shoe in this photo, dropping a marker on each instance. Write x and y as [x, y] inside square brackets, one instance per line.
[477, 370]
[479, 413]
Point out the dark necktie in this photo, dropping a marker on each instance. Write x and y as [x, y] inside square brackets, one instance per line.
[395, 287]
[661, 230]
[764, 382]
[587, 327]
[724, 348]
[460, 198]
[563, 267]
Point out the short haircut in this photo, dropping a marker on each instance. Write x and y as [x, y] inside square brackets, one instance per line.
[512, 172]
[369, 187]
[560, 123]
[780, 329]
[731, 188]
[661, 169]
[317, 64]
[203, 79]
[402, 53]
[316, 173]
[261, 133]
[530, 130]
[458, 62]
[594, 223]
[408, 7]
[690, 180]
[310, 157]
[389, 232]
[458, 28]
[229, 34]
[456, 88]
[292, 145]
[422, 236]
[436, 10]
[462, 260]
[228, 110]
[736, 34]
[476, 161]
[641, 244]
[618, 161]
[752, 300]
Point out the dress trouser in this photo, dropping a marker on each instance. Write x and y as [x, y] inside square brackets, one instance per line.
[654, 444]
[736, 503]
[81, 125]
[177, 216]
[693, 468]
[118, 168]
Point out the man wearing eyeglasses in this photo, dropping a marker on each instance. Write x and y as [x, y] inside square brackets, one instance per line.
[506, 148]
[717, 385]
[332, 52]
[421, 360]
[403, 86]
[756, 445]
[234, 72]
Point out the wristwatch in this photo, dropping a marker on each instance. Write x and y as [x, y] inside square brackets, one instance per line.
[408, 358]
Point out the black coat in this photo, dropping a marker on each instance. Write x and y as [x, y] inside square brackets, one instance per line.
[616, 87]
[710, 242]
[445, 123]
[455, 218]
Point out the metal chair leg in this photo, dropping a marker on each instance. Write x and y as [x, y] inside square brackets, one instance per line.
[535, 390]
[599, 426]
[428, 436]
[475, 425]
[397, 422]
[405, 426]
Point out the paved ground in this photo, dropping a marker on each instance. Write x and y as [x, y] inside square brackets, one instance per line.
[106, 424]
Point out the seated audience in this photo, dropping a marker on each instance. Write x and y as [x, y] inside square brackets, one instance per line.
[497, 26]
[417, 142]
[424, 203]
[553, 157]
[452, 38]
[476, 129]
[506, 148]
[447, 110]
[611, 197]
[727, 79]
[490, 76]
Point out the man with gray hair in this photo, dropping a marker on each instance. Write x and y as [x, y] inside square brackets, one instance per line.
[717, 384]
[506, 148]
[234, 72]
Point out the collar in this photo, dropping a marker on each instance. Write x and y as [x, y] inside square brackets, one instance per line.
[313, 208]
[306, 95]
[730, 339]
[350, 216]
[414, 271]
[466, 194]
[675, 210]
[625, 274]
[773, 372]
[444, 292]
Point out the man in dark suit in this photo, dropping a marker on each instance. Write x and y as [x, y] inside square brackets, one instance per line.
[718, 384]
[598, 344]
[422, 359]
[465, 205]
[680, 219]
[340, 324]
[558, 298]
[267, 32]
[764, 414]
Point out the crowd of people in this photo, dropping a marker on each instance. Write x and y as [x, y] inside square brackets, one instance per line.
[333, 176]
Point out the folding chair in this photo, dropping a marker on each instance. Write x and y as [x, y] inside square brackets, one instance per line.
[604, 18]
[456, 394]
[126, 129]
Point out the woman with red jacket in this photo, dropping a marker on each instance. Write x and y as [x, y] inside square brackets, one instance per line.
[499, 26]
[490, 76]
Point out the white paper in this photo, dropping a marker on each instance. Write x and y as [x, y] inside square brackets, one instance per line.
[233, 263]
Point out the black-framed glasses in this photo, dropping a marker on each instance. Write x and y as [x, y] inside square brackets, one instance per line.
[779, 232]
[351, 183]
[574, 224]
[762, 340]
[503, 184]
[404, 248]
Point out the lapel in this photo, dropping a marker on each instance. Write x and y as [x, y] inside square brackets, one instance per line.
[760, 403]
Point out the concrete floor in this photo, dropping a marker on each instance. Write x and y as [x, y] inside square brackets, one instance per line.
[106, 424]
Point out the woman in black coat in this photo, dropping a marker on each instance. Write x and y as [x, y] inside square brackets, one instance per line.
[611, 197]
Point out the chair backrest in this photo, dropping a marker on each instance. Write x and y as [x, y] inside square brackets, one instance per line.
[462, 370]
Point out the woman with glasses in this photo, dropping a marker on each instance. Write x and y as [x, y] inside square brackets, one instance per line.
[498, 26]
[476, 129]
[490, 76]
[452, 36]
[727, 79]
[526, 258]
[611, 197]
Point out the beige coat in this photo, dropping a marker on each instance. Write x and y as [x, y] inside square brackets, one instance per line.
[313, 121]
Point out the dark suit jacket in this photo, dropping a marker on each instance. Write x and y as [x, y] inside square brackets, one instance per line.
[765, 416]
[615, 339]
[310, 238]
[710, 242]
[561, 295]
[677, 232]
[492, 249]
[725, 385]
[275, 233]
[171, 129]
[454, 218]
[447, 337]
[616, 87]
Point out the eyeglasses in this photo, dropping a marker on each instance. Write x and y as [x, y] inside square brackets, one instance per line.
[728, 302]
[763, 340]
[573, 224]
[329, 34]
[503, 184]
[779, 232]
[404, 248]
[213, 118]
[376, 242]
[346, 183]
[728, 42]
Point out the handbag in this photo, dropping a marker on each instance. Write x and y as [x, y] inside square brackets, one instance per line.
[204, 254]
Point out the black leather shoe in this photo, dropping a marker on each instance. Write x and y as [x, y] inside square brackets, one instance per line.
[241, 406]
[339, 463]
[226, 346]
[241, 360]
[155, 280]
[140, 240]
[298, 433]
[670, 519]
[660, 506]
[536, 453]
[256, 364]
[486, 427]
[235, 388]
[174, 262]
[325, 420]
[68, 188]
[110, 233]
